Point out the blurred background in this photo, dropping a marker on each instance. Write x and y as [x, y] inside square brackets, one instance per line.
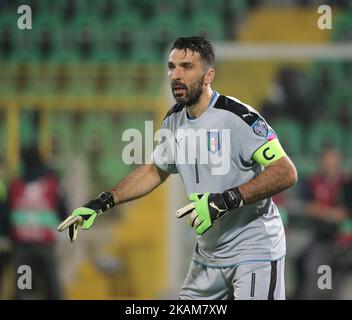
[88, 70]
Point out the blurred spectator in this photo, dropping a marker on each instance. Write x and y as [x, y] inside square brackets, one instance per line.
[35, 207]
[290, 97]
[331, 240]
[4, 240]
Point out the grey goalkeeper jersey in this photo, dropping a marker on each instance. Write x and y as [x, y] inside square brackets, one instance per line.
[213, 153]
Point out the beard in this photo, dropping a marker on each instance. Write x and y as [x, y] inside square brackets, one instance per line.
[191, 94]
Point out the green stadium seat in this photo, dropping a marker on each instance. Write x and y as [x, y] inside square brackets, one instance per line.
[145, 8]
[162, 31]
[147, 74]
[289, 132]
[65, 56]
[124, 35]
[25, 56]
[63, 70]
[146, 56]
[85, 34]
[227, 15]
[112, 168]
[237, 7]
[43, 7]
[139, 76]
[322, 134]
[23, 69]
[103, 76]
[28, 129]
[6, 77]
[105, 56]
[187, 8]
[342, 32]
[165, 7]
[96, 125]
[108, 9]
[62, 131]
[347, 72]
[206, 25]
[11, 37]
[47, 39]
[325, 76]
[69, 9]
[133, 121]
[3, 132]
[339, 105]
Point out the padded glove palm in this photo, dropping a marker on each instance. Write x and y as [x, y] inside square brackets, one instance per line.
[86, 215]
[207, 208]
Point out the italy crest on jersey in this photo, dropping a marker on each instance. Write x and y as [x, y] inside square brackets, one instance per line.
[213, 141]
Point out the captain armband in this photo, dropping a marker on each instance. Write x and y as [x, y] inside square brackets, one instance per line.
[269, 152]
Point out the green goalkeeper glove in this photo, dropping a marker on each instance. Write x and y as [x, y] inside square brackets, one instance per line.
[207, 208]
[86, 215]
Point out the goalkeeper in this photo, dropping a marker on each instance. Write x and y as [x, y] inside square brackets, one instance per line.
[240, 236]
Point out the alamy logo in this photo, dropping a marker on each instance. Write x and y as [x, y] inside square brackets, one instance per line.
[325, 280]
[24, 282]
[325, 20]
[178, 141]
[25, 20]
[184, 146]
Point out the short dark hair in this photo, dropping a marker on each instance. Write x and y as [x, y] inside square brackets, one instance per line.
[197, 44]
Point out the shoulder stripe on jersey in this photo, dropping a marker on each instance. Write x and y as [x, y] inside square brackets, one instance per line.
[237, 108]
[176, 108]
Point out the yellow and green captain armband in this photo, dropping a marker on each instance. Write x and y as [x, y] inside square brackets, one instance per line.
[269, 152]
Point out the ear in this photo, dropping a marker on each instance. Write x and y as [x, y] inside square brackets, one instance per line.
[209, 76]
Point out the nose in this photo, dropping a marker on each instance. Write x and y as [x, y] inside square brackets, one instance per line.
[176, 74]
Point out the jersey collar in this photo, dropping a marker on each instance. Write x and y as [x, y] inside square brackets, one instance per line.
[212, 102]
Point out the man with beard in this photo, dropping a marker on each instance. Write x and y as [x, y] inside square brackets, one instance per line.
[240, 237]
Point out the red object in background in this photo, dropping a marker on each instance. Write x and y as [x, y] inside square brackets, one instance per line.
[34, 198]
[325, 191]
[279, 199]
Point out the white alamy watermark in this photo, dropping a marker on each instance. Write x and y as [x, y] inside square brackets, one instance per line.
[24, 281]
[325, 19]
[185, 146]
[325, 280]
[25, 20]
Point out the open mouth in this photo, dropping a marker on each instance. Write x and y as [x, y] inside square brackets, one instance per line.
[179, 90]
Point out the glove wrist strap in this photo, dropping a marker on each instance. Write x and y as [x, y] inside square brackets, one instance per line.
[233, 198]
[107, 200]
[103, 202]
